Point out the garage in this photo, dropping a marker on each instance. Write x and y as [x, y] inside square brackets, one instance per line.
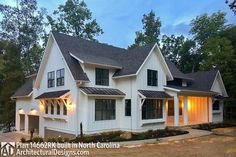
[34, 123]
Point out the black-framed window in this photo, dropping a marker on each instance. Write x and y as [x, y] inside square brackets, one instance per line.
[105, 109]
[128, 107]
[64, 110]
[102, 76]
[152, 109]
[52, 109]
[60, 77]
[58, 109]
[46, 109]
[51, 79]
[152, 77]
[216, 105]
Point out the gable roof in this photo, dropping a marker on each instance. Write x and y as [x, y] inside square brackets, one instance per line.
[176, 72]
[202, 81]
[26, 89]
[127, 62]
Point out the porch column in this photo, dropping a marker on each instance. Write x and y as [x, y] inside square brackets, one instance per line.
[185, 110]
[176, 110]
[165, 110]
[209, 109]
[26, 124]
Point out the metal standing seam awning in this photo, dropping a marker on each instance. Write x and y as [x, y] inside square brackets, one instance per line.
[92, 91]
[148, 94]
[52, 95]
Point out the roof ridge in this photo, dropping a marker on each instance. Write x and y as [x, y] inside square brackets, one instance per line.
[91, 41]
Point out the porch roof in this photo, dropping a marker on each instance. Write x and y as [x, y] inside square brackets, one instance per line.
[51, 95]
[92, 91]
[154, 94]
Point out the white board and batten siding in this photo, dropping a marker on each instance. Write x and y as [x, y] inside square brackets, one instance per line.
[55, 62]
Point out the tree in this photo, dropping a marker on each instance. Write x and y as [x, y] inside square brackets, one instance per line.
[219, 54]
[172, 46]
[205, 26]
[232, 5]
[151, 31]
[76, 19]
[181, 51]
[11, 78]
[24, 24]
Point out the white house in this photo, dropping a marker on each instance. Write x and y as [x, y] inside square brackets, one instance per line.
[108, 88]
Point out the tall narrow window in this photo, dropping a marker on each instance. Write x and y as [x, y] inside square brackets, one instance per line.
[152, 77]
[102, 76]
[51, 79]
[60, 77]
[46, 109]
[128, 107]
[52, 109]
[58, 109]
[64, 110]
[216, 105]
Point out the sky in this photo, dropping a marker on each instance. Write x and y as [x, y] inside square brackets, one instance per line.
[120, 19]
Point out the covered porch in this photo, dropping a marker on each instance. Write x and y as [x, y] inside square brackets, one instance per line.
[185, 110]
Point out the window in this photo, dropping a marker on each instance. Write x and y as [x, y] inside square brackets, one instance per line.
[46, 109]
[64, 110]
[152, 109]
[171, 107]
[152, 76]
[58, 109]
[105, 109]
[52, 109]
[60, 77]
[216, 105]
[128, 107]
[102, 76]
[51, 79]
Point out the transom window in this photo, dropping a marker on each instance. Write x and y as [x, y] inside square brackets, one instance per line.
[128, 107]
[60, 77]
[105, 109]
[152, 77]
[152, 109]
[51, 79]
[52, 109]
[64, 110]
[58, 109]
[102, 76]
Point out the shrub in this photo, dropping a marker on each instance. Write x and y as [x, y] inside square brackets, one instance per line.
[60, 139]
[37, 139]
[23, 140]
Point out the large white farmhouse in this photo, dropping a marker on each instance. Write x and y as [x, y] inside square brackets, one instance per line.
[107, 88]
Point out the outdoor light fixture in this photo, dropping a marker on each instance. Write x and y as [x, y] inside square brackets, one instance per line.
[20, 109]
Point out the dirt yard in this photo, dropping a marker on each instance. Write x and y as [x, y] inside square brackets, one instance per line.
[220, 144]
[223, 145]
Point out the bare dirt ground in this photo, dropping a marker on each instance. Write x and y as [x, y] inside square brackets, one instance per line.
[220, 144]
[207, 146]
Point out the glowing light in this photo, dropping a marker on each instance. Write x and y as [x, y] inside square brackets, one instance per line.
[33, 111]
[21, 110]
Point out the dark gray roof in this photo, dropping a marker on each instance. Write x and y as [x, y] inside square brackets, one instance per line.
[102, 91]
[52, 95]
[176, 72]
[154, 94]
[66, 43]
[133, 59]
[25, 89]
[128, 61]
[202, 81]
